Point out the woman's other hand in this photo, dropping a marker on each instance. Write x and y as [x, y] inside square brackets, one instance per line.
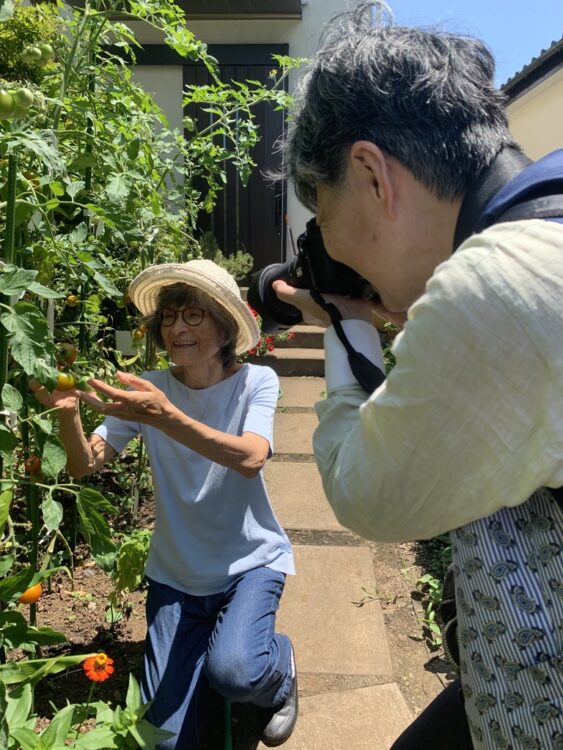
[63, 400]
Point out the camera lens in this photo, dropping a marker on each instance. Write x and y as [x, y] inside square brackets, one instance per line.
[276, 315]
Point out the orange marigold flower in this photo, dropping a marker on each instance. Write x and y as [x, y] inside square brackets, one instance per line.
[98, 668]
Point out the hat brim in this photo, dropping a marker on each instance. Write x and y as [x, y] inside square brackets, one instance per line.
[145, 288]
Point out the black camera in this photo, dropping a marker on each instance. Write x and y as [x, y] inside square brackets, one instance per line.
[310, 268]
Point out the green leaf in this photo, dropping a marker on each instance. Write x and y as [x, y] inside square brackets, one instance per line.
[57, 188]
[52, 513]
[14, 280]
[117, 189]
[11, 398]
[100, 738]
[133, 701]
[15, 632]
[5, 502]
[73, 188]
[53, 459]
[43, 291]
[8, 440]
[45, 425]
[130, 562]
[20, 704]
[31, 342]
[27, 739]
[6, 564]
[4, 726]
[32, 670]
[109, 288]
[14, 586]
[57, 732]
[94, 526]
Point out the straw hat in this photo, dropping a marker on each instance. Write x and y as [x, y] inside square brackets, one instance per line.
[211, 279]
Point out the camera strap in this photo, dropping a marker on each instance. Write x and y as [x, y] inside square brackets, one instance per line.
[366, 373]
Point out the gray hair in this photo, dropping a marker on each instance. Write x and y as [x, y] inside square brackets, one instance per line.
[180, 295]
[424, 96]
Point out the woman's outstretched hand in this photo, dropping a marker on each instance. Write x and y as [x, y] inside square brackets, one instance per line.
[61, 400]
[144, 403]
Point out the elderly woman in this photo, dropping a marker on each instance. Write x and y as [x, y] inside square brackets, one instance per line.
[218, 556]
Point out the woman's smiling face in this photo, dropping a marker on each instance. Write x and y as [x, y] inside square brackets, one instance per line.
[191, 344]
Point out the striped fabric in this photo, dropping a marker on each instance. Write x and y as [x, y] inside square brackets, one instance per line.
[509, 592]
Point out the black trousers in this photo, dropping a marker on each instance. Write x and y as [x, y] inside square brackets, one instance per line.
[441, 726]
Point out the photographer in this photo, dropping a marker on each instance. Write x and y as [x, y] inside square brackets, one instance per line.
[400, 145]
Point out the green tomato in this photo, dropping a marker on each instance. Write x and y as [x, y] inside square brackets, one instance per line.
[39, 101]
[23, 98]
[32, 55]
[7, 105]
[82, 383]
[47, 53]
[20, 112]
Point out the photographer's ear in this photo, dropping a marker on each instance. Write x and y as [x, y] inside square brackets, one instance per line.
[374, 169]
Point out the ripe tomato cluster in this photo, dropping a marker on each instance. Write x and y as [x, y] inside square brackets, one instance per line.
[67, 379]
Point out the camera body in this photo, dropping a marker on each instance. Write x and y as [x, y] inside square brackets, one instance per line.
[310, 268]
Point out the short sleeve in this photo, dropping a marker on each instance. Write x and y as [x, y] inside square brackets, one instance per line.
[117, 432]
[262, 401]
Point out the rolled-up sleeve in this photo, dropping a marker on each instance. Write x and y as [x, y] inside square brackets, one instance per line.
[461, 427]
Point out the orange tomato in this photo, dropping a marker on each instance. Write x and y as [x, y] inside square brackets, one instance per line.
[31, 595]
[72, 300]
[66, 381]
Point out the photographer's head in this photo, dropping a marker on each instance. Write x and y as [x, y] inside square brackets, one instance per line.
[392, 126]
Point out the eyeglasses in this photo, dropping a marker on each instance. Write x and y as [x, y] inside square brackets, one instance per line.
[192, 316]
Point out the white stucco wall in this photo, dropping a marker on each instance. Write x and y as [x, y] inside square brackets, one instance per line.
[302, 36]
[536, 117]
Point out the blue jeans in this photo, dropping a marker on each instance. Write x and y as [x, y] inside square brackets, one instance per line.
[223, 641]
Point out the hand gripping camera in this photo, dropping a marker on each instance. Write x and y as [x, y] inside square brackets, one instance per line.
[310, 268]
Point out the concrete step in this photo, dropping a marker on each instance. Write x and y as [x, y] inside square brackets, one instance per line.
[300, 362]
[301, 393]
[293, 433]
[304, 337]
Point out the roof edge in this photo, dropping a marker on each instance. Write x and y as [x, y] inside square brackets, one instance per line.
[541, 66]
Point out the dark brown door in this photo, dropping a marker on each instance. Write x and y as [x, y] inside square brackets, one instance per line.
[251, 217]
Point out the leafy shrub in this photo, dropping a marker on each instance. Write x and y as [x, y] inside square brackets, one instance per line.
[238, 264]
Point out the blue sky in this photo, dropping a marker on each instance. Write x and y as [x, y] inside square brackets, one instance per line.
[515, 30]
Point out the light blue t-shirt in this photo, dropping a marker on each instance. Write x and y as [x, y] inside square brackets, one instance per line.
[212, 524]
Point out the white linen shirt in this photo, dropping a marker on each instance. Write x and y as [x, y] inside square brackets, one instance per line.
[470, 419]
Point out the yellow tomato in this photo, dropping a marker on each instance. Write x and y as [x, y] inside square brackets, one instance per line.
[66, 381]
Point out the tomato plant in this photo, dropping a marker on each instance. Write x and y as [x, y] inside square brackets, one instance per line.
[95, 186]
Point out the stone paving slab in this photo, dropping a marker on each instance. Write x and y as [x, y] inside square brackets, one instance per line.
[301, 392]
[330, 634]
[298, 498]
[293, 433]
[366, 719]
